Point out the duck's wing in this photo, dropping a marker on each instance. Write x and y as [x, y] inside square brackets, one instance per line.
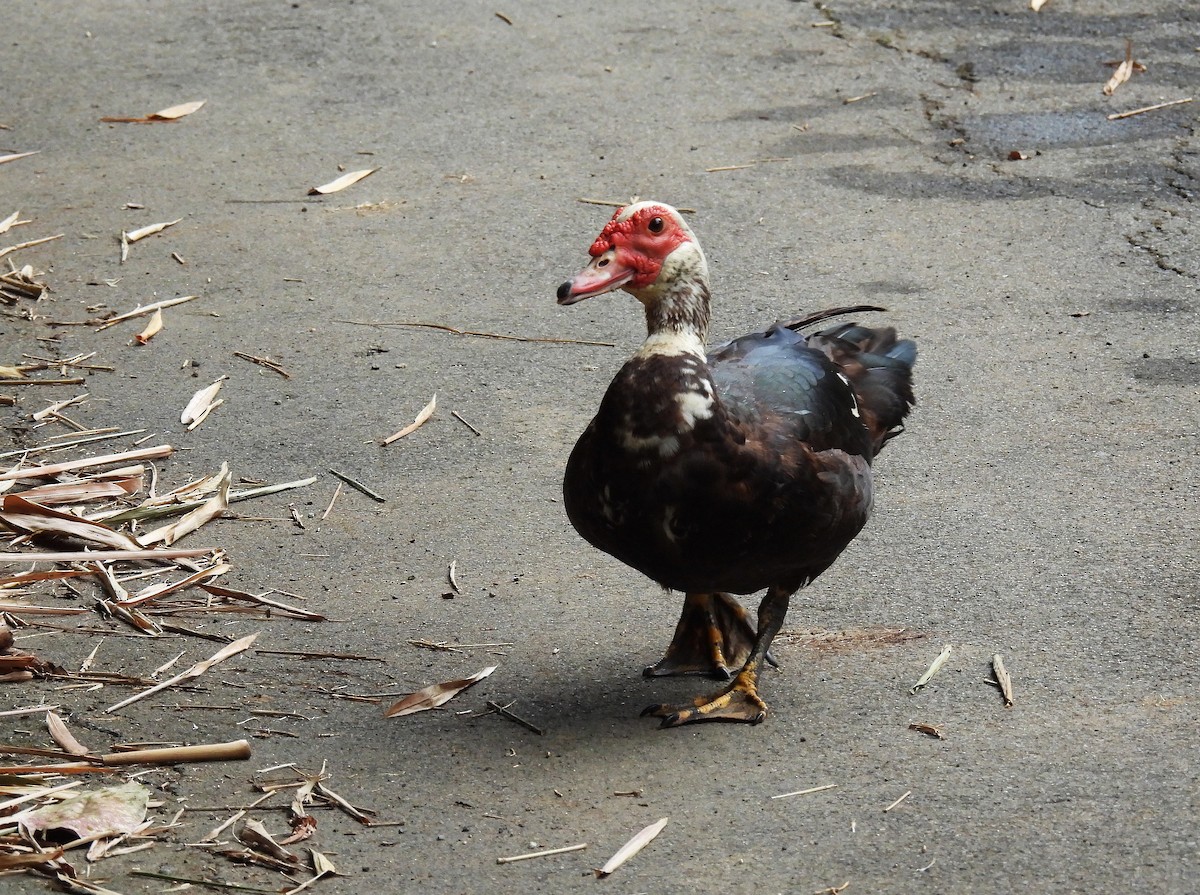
[779, 388]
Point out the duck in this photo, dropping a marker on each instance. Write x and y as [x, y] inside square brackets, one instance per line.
[721, 473]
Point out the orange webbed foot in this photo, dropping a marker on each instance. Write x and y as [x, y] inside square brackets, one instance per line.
[739, 702]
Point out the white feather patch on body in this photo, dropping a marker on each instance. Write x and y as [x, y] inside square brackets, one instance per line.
[853, 397]
[664, 445]
[695, 406]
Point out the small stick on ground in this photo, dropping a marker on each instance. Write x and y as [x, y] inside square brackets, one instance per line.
[348, 657]
[1003, 679]
[897, 802]
[542, 854]
[834, 890]
[1144, 109]
[141, 311]
[30, 244]
[359, 486]
[455, 414]
[236, 750]
[804, 792]
[264, 362]
[471, 332]
[503, 710]
[933, 669]
[75, 380]
[329, 509]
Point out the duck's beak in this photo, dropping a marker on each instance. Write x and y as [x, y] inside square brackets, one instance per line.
[606, 273]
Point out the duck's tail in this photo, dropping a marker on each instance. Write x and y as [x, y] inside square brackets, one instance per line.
[878, 365]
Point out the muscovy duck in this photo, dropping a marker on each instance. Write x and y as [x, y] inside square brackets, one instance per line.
[745, 469]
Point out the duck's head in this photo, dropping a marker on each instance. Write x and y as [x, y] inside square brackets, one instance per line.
[646, 249]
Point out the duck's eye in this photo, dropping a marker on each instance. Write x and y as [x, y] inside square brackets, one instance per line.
[656, 225]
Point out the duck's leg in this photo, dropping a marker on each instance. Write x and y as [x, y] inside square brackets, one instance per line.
[740, 700]
[713, 637]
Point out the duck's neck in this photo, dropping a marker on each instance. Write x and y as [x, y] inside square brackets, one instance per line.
[677, 304]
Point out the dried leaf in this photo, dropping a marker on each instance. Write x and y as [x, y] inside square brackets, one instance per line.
[61, 735]
[201, 405]
[110, 809]
[26, 516]
[321, 864]
[148, 230]
[195, 671]
[631, 848]
[348, 179]
[933, 669]
[173, 112]
[1123, 72]
[435, 694]
[153, 328]
[88, 489]
[421, 419]
[11, 221]
[254, 834]
[206, 512]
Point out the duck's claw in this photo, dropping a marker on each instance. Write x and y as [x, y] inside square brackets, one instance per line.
[713, 638]
[738, 702]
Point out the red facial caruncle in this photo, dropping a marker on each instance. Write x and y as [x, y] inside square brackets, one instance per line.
[629, 252]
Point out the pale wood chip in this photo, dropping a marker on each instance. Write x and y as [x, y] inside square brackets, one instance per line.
[173, 112]
[348, 179]
[643, 838]
[132, 236]
[1123, 72]
[12, 157]
[62, 736]
[421, 419]
[153, 328]
[11, 221]
[201, 405]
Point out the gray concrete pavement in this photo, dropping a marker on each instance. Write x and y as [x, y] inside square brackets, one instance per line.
[1042, 504]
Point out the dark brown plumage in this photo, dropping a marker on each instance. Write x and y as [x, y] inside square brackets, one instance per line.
[742, 470]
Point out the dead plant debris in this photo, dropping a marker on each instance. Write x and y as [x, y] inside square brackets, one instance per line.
[169, 114]
[435, 694]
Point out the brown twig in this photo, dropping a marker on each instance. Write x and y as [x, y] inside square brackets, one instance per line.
[516, 719]
[471, 332]
[349, 657]
[74, 380]
[264, 362]
[359, 486]
[455, 414]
